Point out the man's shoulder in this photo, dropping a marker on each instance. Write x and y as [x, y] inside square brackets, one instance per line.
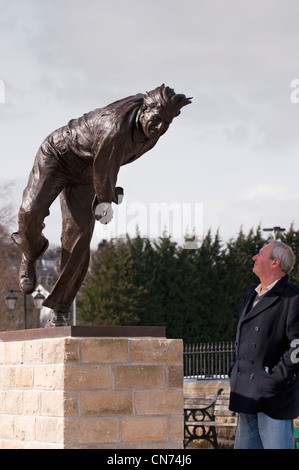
[285, 288]
[292, 288]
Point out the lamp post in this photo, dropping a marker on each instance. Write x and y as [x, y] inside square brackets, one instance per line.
[276, 231]
[11, 301]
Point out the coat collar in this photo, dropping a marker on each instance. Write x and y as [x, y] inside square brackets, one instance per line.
[268, 299]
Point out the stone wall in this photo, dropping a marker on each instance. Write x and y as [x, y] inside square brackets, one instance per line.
[205, 390]
[90, 392]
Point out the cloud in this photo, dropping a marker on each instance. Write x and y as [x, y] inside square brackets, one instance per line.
[272, 192]
[232, 149]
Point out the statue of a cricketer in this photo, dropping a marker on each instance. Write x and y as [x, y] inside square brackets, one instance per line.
[80, 162]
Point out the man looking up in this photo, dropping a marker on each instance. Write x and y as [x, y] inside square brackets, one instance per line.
[264, 376]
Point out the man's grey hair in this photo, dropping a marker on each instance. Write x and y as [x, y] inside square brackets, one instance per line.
[285, 255]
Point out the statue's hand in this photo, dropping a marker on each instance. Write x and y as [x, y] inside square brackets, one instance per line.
[104, 212]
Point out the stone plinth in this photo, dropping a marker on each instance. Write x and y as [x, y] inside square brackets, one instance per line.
[91, 387]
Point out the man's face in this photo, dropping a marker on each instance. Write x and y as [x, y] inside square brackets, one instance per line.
[153, 123]
[262, 262]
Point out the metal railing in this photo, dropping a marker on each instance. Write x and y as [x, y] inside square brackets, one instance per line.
[208, 361]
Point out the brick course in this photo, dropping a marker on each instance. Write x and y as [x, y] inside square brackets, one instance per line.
[85, 392]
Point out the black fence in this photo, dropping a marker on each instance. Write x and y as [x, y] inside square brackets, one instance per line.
[208, 361]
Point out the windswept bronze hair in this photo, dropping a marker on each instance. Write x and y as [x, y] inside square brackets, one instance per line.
[165, 99]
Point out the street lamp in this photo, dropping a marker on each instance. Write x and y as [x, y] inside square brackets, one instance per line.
[11, 301]
[38, 300]
[276, 231]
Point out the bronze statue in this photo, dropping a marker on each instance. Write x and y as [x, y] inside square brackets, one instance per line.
[80, 162]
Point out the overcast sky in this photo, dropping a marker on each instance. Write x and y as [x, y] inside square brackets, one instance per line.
[233, 152]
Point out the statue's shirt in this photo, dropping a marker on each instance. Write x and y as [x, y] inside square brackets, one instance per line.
[108, 138]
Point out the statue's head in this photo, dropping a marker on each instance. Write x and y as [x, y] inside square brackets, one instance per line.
[159, 108]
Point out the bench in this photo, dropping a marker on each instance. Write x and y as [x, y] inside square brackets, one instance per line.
[200, 415]
[205, 413]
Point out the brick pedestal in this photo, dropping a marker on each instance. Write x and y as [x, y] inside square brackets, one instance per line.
[91, 387]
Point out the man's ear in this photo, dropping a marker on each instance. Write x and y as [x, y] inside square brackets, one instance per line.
[276, 262]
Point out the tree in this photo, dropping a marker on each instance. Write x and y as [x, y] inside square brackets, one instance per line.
[155, 283]
[205, 298]
[10, 257]
[166, 307]
[238, 277]
[110, 294]
[196, 294]
[291, 238]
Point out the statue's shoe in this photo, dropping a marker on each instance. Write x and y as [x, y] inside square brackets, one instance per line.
[56, 319]
[27, 275]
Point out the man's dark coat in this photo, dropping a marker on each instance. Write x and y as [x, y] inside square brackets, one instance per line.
[263, 340]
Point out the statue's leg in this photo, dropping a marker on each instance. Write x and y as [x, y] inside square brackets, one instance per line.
[44, 185]
[77, 229]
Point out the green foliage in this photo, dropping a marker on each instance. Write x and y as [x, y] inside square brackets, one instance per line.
[196, 294]
[110, 295]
